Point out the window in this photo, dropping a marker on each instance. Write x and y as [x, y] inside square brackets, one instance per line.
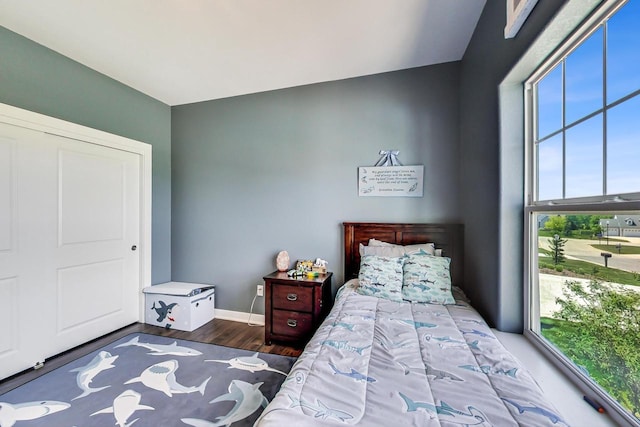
[583, 207]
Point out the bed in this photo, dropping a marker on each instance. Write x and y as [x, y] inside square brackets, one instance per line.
[377, 361]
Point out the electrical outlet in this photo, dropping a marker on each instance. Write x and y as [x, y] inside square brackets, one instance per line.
[260, 290]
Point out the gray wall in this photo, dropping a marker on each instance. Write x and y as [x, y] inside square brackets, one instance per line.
[256, 174]
[35, 78]
[493, 181]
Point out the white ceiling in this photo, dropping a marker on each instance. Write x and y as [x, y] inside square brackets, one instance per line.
[184, 51]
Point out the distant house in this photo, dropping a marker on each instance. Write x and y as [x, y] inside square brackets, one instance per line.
[542, 220]
[621, 225]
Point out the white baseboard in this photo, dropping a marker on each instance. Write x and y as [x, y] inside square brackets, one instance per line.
[239, 316]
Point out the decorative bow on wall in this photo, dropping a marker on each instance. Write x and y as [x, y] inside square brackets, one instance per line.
[388, 158]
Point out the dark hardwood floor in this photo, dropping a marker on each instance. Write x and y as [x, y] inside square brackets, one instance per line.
[219, 332]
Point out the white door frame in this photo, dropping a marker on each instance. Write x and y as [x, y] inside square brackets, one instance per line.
[30, 120]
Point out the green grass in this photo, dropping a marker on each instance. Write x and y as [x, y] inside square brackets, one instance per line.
[588, 270]
[624, 249]
[578, 234]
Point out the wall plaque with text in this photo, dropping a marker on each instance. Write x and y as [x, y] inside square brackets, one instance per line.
[390, 181]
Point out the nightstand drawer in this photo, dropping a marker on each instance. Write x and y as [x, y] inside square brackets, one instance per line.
[296, 298]
[292, 323]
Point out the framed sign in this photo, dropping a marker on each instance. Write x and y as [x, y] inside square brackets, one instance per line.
[390, 181]
[517, 13]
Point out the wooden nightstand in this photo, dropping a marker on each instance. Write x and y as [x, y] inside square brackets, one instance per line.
[295, 306]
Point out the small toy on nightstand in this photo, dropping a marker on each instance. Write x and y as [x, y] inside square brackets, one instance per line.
[320, 266]
[295, 273]
[309, 268]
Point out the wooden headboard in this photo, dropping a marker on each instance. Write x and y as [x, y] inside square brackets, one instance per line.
[448, 237]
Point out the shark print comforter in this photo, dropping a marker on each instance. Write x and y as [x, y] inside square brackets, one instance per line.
[374, 362]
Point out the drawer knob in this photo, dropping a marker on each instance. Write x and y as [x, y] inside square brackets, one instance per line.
[292, 297]
[292, 323]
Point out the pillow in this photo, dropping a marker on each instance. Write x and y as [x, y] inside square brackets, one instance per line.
[386, 251]
[391, 250]
[381, 277]
[422, 249]
[427, 279]
[374, 242]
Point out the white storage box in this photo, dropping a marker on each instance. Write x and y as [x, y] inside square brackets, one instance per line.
[179, 305]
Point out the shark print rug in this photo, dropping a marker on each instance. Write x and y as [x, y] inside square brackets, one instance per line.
[150, 381]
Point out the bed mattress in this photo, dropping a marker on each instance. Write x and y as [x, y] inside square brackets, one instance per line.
[375, 362]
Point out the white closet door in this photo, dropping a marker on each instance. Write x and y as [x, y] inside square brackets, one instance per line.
[68, 263]
[96, 258]
[9, 268]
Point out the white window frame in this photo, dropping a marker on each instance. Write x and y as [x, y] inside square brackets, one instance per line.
[559, 56]
[606, 203]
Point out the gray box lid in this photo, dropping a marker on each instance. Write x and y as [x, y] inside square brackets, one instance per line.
[183, 289]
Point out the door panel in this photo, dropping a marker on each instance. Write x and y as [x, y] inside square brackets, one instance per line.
[91, 193]
[90, 293]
